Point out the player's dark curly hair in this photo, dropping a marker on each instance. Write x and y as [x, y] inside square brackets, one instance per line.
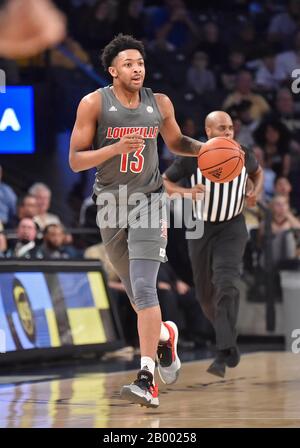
[120, 43]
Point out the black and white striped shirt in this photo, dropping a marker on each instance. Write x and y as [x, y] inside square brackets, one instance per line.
[222, 201]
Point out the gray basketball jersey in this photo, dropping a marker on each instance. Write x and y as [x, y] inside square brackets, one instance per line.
[139, 170]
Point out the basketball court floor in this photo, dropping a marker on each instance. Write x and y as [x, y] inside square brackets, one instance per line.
[263, 391]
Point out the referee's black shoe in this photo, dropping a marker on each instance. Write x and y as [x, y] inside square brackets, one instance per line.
[217, 368]
[233, 357]
[229, 357]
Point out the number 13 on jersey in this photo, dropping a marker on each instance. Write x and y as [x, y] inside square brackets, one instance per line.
[135, 166]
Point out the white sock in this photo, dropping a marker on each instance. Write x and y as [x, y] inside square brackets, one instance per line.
[164, 333]
[148, 362]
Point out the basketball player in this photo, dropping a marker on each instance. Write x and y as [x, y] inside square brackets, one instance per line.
[216, 257]
[28, 27]
[122, 122]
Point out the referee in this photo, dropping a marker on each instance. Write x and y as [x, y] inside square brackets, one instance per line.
[216, 257]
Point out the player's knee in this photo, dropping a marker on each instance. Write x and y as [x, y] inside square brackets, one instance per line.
[145, 294]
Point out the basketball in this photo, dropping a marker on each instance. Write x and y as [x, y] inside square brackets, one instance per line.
[221, 159]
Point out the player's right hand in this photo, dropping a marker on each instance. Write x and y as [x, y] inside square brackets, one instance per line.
[129, 143]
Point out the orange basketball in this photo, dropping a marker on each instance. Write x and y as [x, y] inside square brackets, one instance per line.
[221, 159]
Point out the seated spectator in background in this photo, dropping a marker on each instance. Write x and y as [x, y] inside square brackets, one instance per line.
[131, 18]
[3, 243]
[234, 64]
[26, 208]
[8, 200]
[248, 40]
[160, 43]
[212, 45]
[284, 25]
[174, 23]
[243, 91]
[287, 111]
[98, 27]
[42, 194]
[275, 140]
[53, 245]
[289, 60]
[284, 244]
[243, 123]
[269, 75]
[126, 312]
[199, 78]
[25, 245]
[269, 174]
[283, 187]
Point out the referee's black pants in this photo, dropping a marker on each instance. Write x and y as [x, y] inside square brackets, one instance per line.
[216, 259]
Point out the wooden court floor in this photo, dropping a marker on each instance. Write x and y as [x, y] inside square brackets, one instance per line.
[263, 391]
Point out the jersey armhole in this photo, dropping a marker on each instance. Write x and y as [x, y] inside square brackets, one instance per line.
[101, 101]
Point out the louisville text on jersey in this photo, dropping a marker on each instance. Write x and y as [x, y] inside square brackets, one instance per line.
[144, 131]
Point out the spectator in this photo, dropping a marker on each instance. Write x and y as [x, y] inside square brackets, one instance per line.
[289, 60]
[25, 245]
[131, 18]
[270, 75]
[243, 91]
[212, 45]
[283, 243]
[98, 27]
[26, 208]
[284, 25]
[286, 111]
[275, 139]
[249, 41]
[174, 23]
[283, 223]
[269, 174]
[243, 123]
[235, 63]
[53, 244]
[199, 77]
[8, 201]
[42, 194]
[283, 187]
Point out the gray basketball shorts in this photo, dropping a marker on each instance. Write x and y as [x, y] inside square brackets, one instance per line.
[140, 233]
